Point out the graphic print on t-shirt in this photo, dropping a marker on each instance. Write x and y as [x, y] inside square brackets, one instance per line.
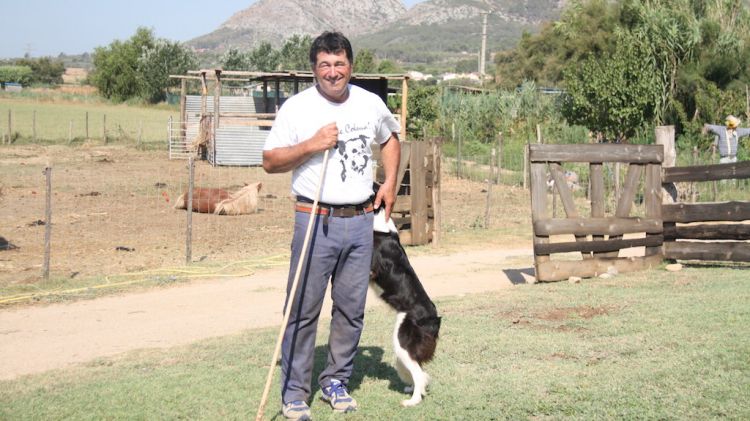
[353, 155]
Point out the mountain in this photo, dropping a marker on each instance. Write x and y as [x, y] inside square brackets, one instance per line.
[276, 20]
[431, 32]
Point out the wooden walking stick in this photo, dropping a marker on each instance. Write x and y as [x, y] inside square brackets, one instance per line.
[292, 292]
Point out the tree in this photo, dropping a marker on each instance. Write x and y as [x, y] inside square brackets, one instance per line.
[116, 66]
[44, 70]
[15, 74]
[295, 53]
[365, 62]
[615, 94]
[139, 67]
[264, 58]
[158, 62]
[388, 67]
[234, 59]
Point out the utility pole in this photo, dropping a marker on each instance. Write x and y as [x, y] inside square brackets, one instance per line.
[484, 44]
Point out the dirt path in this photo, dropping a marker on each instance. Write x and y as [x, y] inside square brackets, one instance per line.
[37, 339]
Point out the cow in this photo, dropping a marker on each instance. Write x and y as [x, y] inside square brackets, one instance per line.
[221, 202]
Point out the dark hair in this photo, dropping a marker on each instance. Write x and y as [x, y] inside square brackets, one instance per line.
[332, 43]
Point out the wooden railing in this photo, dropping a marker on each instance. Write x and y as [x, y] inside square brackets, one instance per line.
[716, 230]
[598, 237]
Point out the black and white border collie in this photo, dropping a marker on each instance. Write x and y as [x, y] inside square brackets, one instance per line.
[417, 323]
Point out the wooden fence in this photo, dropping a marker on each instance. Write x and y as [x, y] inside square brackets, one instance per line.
[707, 231]
[598, 237]
[416, 213]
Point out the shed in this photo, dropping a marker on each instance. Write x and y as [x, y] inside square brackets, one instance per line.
[231, 129]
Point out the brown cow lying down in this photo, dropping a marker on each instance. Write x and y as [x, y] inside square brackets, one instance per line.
[221, 202]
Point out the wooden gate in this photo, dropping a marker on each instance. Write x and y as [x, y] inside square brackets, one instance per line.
[707, 231]
[598, 236]
[416, 213]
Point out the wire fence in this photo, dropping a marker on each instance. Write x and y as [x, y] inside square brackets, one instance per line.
[43, 123]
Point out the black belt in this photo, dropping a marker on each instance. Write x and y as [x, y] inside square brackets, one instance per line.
[304, 204]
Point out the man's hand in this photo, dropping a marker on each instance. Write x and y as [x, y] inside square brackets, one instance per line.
[325, 138]
[386, 195]
[390, 155]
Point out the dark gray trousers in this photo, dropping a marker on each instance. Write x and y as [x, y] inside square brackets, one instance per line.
[341, 251]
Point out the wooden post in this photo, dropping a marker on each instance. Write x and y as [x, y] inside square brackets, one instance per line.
[140, 132]
[499, 157]
[217, 112]
[436, 200]
[526, 166]
[47, 223]
[87, 124]
[70, 132]
[693, 186]
[189, 230]
[617, 182]
[596, 195]
[665, 136]
[183, 109]
[458, 156]
[104, 128]
[404, 108]
[539, 134]
[33, 126]
[490, 182]
[10, 126]
[714, 183]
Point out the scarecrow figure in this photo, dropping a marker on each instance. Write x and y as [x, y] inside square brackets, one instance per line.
[727, 138]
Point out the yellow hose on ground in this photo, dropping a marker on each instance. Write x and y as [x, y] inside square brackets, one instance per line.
[248, 268]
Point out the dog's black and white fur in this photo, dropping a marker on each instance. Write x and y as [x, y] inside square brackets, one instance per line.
[417, 323]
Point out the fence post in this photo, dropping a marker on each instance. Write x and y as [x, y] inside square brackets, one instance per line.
[525, 166]
[70, 132]
[499, 157]
[436, 187]
[665, 136]
[189, 231]
[33, 126]
[87, 125]
[47, 223]
[10, 126]
[104, 129]
[490, 182]
[140, 133]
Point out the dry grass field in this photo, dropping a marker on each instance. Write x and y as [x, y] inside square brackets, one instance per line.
[112, 213]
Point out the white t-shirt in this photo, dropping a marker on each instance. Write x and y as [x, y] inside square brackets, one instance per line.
[362, 119]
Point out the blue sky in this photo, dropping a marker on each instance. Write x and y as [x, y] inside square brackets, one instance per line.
[49, 27]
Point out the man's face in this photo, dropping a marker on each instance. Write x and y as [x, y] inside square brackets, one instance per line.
[333, 71]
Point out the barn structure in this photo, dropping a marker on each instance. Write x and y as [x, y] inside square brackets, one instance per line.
[229, 128]
[229, 123]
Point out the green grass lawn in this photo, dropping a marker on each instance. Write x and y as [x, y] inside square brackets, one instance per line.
[646, 345]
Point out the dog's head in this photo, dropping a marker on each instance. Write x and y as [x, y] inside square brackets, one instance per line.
[430, 325]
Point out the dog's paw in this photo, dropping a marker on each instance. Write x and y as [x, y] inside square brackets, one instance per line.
[414, 401]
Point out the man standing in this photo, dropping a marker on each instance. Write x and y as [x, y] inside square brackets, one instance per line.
[727, 138]
[346, 120]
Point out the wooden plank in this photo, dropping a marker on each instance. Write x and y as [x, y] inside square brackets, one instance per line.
[606, 152]
[566, 197]
[720, 251]
[596, 193]
[538, 176]
[739, 232]
[419, 199]
[560, 270]
[737, 170]
[625, 201]
[653, 200]
[436, 190]
[597, 226]
[598, 246]
[703, 212]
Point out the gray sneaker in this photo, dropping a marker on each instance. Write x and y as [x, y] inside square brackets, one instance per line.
[337, 396]
[297, 410]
